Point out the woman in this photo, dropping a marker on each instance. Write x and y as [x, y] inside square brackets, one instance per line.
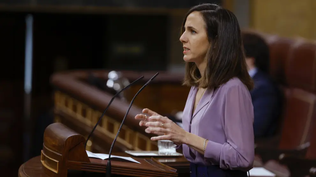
[217, 135]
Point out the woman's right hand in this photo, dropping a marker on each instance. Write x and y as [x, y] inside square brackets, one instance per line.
[161, 126]
[146, 113]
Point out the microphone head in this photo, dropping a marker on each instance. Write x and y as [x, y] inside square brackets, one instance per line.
[114, 75]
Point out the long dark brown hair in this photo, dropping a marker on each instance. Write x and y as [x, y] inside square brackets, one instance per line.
[225, 57]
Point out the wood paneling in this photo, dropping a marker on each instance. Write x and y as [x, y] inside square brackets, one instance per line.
[70, 112]
[284, 17]
[174, 97]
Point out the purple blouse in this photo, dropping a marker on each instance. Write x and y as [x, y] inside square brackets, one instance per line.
[224, 117]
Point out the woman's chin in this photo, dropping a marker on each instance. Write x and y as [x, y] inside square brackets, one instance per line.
[187, 59]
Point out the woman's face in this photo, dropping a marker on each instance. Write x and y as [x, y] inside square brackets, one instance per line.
[194, 39]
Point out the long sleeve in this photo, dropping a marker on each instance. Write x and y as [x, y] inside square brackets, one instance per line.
[237, 153]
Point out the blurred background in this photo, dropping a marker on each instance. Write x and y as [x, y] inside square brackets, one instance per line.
[42, 37]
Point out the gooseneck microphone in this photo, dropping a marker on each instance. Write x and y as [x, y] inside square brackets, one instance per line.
[109, 106]
[108, 166]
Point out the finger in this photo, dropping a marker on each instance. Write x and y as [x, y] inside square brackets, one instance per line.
[141, 117]
[149, 112]
[161, 137]
[156, 124]
[156, 130]
[142, 123]
[160, 118]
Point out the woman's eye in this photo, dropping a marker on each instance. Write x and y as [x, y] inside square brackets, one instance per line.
[193, 32]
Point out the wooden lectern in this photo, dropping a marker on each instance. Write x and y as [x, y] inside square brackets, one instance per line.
[63, 150]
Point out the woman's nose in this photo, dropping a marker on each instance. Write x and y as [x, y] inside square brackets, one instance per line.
[183, 38]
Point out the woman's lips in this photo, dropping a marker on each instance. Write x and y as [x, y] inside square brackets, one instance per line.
[185, 50]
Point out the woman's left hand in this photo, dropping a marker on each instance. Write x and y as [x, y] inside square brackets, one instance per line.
[161, 126]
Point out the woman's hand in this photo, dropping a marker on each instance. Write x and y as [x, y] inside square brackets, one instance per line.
[161, 126]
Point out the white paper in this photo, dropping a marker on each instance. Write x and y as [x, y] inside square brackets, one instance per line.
[260, 171]
[144, 153]
[106, 156]
[151, 153]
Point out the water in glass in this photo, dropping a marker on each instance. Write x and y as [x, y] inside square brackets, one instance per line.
[166, 147]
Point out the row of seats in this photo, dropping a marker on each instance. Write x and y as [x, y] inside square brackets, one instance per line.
[293, 67]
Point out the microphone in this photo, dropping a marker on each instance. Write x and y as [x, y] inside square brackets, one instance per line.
[108, 166]
[109, 106]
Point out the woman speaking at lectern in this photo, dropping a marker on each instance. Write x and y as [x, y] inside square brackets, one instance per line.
[217, 136]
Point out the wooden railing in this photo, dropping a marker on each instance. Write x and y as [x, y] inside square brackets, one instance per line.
[79, 105]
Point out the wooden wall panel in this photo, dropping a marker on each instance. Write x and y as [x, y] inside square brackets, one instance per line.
[314, 20]
[288, 18]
